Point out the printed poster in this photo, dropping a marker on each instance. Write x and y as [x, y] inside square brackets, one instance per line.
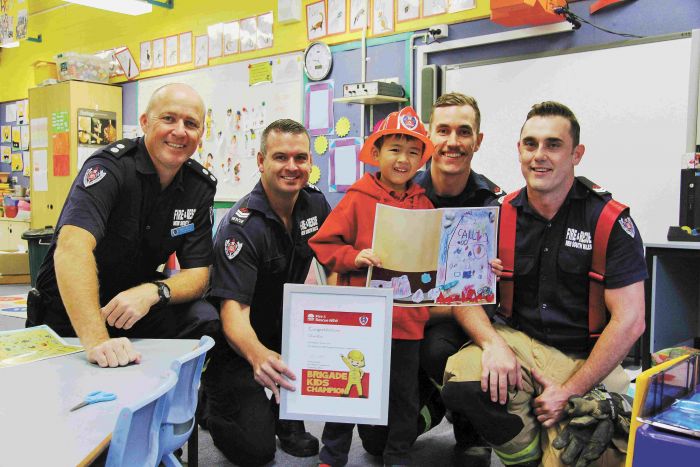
[96, 128]
[31, 345]
[341, 353]
[436, 256]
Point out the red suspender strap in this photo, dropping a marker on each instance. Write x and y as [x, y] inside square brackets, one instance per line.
[596, 294]
[506, 253]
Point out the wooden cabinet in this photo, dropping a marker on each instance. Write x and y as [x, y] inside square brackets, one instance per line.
[56, 103]
[11, 231]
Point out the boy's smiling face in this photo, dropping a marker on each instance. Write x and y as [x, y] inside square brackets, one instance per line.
[399, 159]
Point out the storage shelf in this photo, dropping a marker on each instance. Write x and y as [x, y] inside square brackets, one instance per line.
[370, 100]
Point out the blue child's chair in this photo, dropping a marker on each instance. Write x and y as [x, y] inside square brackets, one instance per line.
[135, 436]
[179, 421]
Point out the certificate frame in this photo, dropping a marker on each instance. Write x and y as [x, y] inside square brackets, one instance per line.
[323, 329]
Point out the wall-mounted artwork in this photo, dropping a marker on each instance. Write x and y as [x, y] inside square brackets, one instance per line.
[171, 55]
[337, 16]
[215, 33]
[146, 55]
[407, 10]
[358, 14]
[185, 47]
[249, 34]
[382, 16]
[158, 53]
[231, 33]
[264, 24]
[201, 50]
[316, 20]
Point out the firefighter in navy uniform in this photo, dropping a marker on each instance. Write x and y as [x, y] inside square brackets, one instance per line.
[262, 246]
[555, 312]
[133, 204]
[450, 182]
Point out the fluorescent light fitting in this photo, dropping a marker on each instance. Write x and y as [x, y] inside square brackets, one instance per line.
[9, 45]
[127, 7]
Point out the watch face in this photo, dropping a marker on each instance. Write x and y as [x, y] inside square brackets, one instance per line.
[166, 291]
[317, 61]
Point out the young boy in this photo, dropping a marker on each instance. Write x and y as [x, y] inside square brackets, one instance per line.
[399, 147]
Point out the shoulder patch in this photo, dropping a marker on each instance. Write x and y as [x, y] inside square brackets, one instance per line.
[627, 225]
[593, 187]
[94, 175]
[120, 148]
[232, 247]
[197, 168]
[240, 216]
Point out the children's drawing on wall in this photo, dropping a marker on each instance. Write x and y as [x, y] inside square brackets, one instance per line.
[407, 10]
[337, 14]
[358, 14]
[449, 260]
[382, 16]
[231, 142]
[434, 7]
[316, 20]
[453, 6]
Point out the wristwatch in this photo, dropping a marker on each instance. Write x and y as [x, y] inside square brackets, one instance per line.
[163, 293]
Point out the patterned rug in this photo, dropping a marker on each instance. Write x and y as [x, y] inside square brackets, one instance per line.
[14, 305]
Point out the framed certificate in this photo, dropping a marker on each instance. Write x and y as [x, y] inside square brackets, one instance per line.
[337, 341]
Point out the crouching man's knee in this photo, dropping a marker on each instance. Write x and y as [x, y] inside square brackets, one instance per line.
[240, 449]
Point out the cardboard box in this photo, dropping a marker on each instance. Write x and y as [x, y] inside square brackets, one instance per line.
[14, 267]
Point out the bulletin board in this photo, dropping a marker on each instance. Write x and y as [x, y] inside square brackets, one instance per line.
[635, 103]
[236, 114]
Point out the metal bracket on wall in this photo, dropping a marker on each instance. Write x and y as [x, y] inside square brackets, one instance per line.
[34, 39]
[169, 4]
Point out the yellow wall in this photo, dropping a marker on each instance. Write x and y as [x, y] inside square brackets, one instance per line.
[74, 28]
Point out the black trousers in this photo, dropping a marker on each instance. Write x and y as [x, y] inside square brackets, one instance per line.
[240, 417]
[393, 441]
[190, 320]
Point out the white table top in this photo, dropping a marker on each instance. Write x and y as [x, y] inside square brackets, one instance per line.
[677, 245]
[36, 427]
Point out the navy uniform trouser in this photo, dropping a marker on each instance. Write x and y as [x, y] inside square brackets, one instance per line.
[190, 320]
[240, 417]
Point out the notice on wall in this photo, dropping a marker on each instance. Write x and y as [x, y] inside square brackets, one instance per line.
[40, 171]
[59, 122]
[38, 127]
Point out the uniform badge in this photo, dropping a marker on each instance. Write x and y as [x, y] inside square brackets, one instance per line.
[409, 121]
[93, 175]
[627, 225]
[240, 216]
[232, 247]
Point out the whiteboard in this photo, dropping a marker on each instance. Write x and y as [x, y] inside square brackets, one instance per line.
[633, 106]
[237, 113]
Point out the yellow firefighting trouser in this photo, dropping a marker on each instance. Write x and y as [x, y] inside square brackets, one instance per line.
[532, 442]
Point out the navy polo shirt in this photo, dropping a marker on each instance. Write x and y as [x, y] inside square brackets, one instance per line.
[552, 261]
[478, 192]
[117, 198]
[255, 255]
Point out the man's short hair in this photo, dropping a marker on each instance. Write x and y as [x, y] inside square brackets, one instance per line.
[556, 109]
[283, 125]
[457, 99]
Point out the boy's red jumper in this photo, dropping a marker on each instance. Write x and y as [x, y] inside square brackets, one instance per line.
[348, 230]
